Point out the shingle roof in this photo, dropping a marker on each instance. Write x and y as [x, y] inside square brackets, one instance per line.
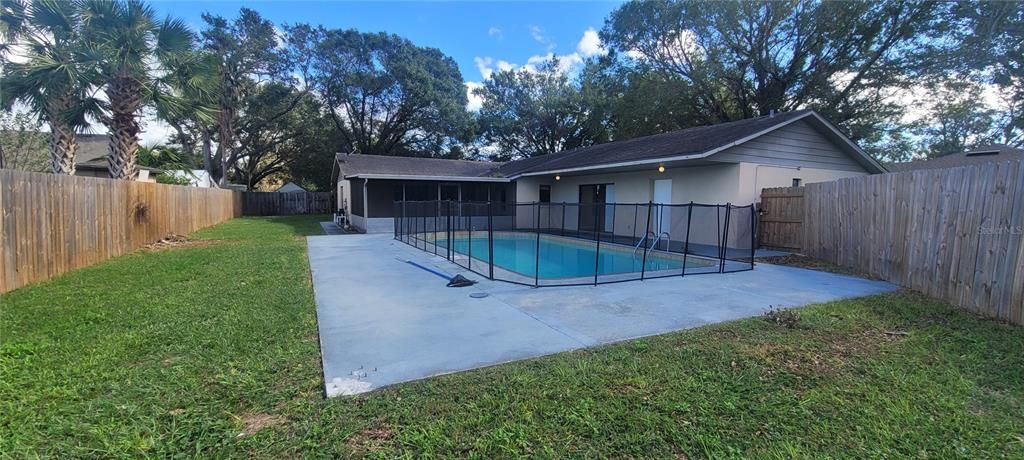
[697, 141]
[981, 155]
[92, 151]
[413, 166]
[674, 143]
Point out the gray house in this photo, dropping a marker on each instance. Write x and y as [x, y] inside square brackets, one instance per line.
[723, 163]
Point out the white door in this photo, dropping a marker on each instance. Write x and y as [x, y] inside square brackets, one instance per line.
[662, 195]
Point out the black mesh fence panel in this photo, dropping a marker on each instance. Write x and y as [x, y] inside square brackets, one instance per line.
[561, 244]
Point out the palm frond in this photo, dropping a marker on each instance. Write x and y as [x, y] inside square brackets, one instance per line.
[174, 38]
[13, 20]
[57, 17]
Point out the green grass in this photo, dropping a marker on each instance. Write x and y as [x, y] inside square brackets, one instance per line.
[178, 352]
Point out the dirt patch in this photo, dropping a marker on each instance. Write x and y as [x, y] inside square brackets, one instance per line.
[832, 355]
[793, 260]
[253, 423]
[373, 437]
[177, 242]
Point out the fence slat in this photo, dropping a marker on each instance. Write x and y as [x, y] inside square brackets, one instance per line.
[286, 204]
[51, 224]
[955, 234]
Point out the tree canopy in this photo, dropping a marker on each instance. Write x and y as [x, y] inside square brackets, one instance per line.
[253, 102]
[387, 96]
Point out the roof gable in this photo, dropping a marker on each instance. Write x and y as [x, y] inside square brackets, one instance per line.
[690, 143]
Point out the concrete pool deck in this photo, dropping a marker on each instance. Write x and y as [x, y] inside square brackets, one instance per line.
[383, 320]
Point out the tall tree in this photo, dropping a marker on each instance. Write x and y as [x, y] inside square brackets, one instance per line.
[388, 96]
[628, 101]
[984, 42]
[135, 52]
[748, 58]
[527, 113]
[281, 141]
[53, 80]
[248, 53]
[957, 120]
[22, 145]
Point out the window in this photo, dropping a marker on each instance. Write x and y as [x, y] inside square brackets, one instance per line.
[545, 193]
[797, 182]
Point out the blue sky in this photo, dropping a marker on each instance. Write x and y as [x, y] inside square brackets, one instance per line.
[469, 32]
[481, 36]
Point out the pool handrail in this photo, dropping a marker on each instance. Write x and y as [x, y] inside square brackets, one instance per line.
[641, 242]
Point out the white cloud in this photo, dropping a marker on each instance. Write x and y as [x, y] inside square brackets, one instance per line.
[495, 32]
[537, 33]
[684, 44]
[505, 65]
[590, 44]
[483, 64]
[474, 102]
[154, 131]
[279, 37]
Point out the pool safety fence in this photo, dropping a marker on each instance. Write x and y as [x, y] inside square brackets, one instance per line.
[571, 244]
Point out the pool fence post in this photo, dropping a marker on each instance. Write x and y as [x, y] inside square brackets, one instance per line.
[686, 243]
[753, 234]
[636, 212]
[643, 263]
[718, 227]
[469, 261]
[597, 248]
[563, 219]
[490, 241]
[725, 239]
[437, 214]
[536, 252]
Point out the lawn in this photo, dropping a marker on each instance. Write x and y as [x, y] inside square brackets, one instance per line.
[210, 349]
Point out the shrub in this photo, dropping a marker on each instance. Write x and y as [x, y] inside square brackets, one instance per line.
[788, 318]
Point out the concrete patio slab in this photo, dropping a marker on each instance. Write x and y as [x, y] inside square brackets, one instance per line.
[384, 320]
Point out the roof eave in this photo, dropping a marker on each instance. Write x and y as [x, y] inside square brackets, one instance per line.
[429, 178]
[867, 160]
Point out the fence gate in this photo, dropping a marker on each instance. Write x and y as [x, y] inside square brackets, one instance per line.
[781, 218]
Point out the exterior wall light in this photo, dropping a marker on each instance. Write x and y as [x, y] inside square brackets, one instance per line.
[558, 177]
[661, 168]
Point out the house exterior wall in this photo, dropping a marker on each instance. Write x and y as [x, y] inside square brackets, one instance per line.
[754, 177]
[703, 184]
[798, 144]
[344, 192]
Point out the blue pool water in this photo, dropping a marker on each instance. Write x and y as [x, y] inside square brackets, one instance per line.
[560, 259]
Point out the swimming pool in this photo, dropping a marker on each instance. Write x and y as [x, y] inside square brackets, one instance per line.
[562, 257]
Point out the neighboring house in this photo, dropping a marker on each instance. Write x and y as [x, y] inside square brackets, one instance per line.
[981, 155]
[291, 187]
[196, 177]
[723, 163]
[91, 159]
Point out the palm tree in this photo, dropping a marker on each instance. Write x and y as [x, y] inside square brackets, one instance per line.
[136, 52]
[53, 81]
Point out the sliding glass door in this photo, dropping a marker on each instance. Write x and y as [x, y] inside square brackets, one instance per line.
[595, 210]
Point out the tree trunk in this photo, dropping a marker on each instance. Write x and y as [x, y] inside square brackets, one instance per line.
[124, 94]
[208, 159]
[226, 120]
[63, 141]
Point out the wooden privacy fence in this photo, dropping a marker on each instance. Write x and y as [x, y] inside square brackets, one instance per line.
[954, 234]
[286, 204]
[781, 214]
[50, 224]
